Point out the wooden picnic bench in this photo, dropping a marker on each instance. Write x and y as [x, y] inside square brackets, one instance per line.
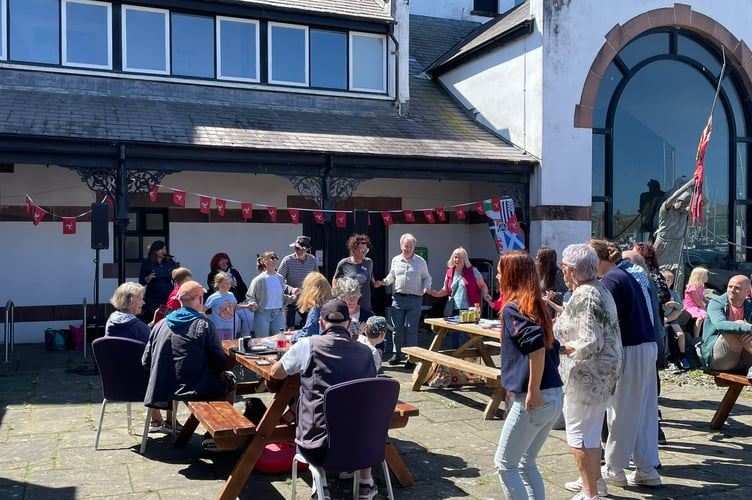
[735, 384]
[229, 428]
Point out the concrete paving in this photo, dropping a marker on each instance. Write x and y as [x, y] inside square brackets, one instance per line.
[48, 416]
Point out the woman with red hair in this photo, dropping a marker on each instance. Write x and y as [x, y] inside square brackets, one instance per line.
[529, 369]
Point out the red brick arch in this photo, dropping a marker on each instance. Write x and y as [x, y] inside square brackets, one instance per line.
[678, 16]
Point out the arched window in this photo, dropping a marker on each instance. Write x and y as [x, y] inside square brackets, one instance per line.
[652, 105]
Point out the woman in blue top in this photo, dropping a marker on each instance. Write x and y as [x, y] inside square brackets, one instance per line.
[529, 369]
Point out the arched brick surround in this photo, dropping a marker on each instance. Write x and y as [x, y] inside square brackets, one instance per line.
[681, 16]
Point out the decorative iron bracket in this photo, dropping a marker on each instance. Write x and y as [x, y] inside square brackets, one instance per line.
[335, 188]
[104, 180]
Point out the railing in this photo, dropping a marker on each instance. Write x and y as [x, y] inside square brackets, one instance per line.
[9, 331]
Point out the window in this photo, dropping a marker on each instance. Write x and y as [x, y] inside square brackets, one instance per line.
[145, 40]
[486, 6]
[35, 31]
[145, 226]
[237, 49]
[87, 26]
[192, 46]
[288, 54]
[328, 59]
[367, 62]
[2, 30]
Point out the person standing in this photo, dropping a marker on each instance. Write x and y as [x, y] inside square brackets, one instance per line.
[220, 262]
[267, 297]
[410, 277]
[156, 276]
[358, 267]
[529, 361]
[323, 361]
[293, 269]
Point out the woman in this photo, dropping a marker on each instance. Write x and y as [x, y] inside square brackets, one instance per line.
[551, 278]
[647, 251]
[348, 290]
[591, 358]
[358, 267]
[220, 262]
[529, 361]
[463, 283]
[128, 300]
[695, 302]
[266, 296]
[156, 275]
[315, 291]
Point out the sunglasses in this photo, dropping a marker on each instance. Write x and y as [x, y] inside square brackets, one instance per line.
[274, 257]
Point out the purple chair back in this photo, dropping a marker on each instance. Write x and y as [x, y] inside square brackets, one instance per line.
[119, 362]
[357, 415]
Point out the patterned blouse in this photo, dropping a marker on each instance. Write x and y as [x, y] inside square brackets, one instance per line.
[590, 324]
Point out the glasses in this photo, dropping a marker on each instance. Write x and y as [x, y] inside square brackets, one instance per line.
[273, 257]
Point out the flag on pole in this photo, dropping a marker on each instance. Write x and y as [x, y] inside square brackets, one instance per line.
[502, 222]
[695, 207]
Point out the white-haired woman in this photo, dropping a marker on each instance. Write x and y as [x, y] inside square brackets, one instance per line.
[591, 363]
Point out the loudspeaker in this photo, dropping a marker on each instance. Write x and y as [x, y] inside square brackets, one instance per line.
[100, 226]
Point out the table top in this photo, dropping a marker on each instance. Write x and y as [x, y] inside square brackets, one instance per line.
[472, 328]
[250, 361]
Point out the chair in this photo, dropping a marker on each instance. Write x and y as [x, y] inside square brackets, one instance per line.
[123, 377]
[357, 415]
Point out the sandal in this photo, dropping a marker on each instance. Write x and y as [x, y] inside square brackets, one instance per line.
[156, 426]
[327, 495]
[167, 427]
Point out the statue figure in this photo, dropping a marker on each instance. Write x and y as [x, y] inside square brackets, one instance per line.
[649, 201]
[673, 218]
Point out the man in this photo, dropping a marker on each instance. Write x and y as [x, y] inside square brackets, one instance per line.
[323, 361]
[294, 268]
[409, 274]
[184, 357]
[726, 337]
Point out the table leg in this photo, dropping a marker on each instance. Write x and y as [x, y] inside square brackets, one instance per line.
[189, 427]
[397, 466]
[728, 401]
[493, 404]
[420, 375]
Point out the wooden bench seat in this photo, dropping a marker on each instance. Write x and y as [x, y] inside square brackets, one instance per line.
[228, 427]
[419, 354]
[735, 384]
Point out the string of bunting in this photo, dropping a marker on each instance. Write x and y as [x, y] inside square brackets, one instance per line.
[499, 212]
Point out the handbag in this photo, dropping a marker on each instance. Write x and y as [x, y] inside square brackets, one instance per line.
[450, 304]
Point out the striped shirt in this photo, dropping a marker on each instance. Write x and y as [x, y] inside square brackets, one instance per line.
[294, 270]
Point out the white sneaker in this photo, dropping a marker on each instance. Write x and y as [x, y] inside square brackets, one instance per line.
[639, 478]
[581, 496]
[613, 477]
[577, 486]
[346, 475]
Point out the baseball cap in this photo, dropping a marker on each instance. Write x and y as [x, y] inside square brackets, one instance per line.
[191, 289]
[302, 242]
[335, 311]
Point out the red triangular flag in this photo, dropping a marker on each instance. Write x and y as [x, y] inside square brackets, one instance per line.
[460, 211]
[204, 204]
[39, 214]
[294, 215]
[429, 216]
[496, 204]
[28, 204]
[69, 225]
[341, 219]
[221, 205]
[479, 207]
[318, 216]
[387, 218]
[440, 214]
[409, 216]
[178, 197]
[246, 210]
[153, 191]
[272, 213]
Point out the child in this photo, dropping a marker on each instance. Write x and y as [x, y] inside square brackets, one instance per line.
[373, 332]
[223, 305]
[694, 298]
[672, 310]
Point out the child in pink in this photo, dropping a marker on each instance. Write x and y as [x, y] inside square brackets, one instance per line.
[694, 298]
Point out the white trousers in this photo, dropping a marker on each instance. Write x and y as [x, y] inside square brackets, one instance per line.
[633, 413]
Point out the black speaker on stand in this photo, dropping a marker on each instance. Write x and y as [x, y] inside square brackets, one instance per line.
[100, 239]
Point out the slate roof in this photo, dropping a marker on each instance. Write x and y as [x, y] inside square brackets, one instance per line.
[40, 105]
[370, 9]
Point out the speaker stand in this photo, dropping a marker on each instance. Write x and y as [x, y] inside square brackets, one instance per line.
[96, 296]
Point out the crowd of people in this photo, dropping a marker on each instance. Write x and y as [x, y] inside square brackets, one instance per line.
[581, 339]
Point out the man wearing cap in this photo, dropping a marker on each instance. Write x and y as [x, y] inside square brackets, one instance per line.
[323, 361]
[294, 268]
[184, 355]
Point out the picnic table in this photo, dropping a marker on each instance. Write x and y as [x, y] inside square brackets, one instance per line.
[735, 384]
[230, 429]
[484, 343]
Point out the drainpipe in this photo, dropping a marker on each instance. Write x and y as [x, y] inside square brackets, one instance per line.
[399, 33]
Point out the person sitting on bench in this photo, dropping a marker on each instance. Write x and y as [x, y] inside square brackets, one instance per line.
[727, 332]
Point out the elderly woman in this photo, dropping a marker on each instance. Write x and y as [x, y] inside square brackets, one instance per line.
[591, 361]
[348, 290]
[358, 267]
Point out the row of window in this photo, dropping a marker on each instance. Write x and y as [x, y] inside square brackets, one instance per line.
[79, 33]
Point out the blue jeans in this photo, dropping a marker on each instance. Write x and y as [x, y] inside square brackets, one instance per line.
[521, 439]
[405, 318]
[269, 322]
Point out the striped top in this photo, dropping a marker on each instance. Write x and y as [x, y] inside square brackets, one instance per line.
[294, 270]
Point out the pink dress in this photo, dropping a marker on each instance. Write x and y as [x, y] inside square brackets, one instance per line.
[690, 305]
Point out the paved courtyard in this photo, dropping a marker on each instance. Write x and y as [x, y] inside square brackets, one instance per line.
[48, 415]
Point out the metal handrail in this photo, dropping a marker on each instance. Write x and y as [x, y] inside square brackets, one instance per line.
[10, 327]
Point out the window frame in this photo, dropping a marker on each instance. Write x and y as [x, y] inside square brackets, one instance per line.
[139, 231]
[124, 45]
[351, 65]
[171, 48]
[218, 46]
[64, 35]
[307, 55]
[346, 62]
[5, 33]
